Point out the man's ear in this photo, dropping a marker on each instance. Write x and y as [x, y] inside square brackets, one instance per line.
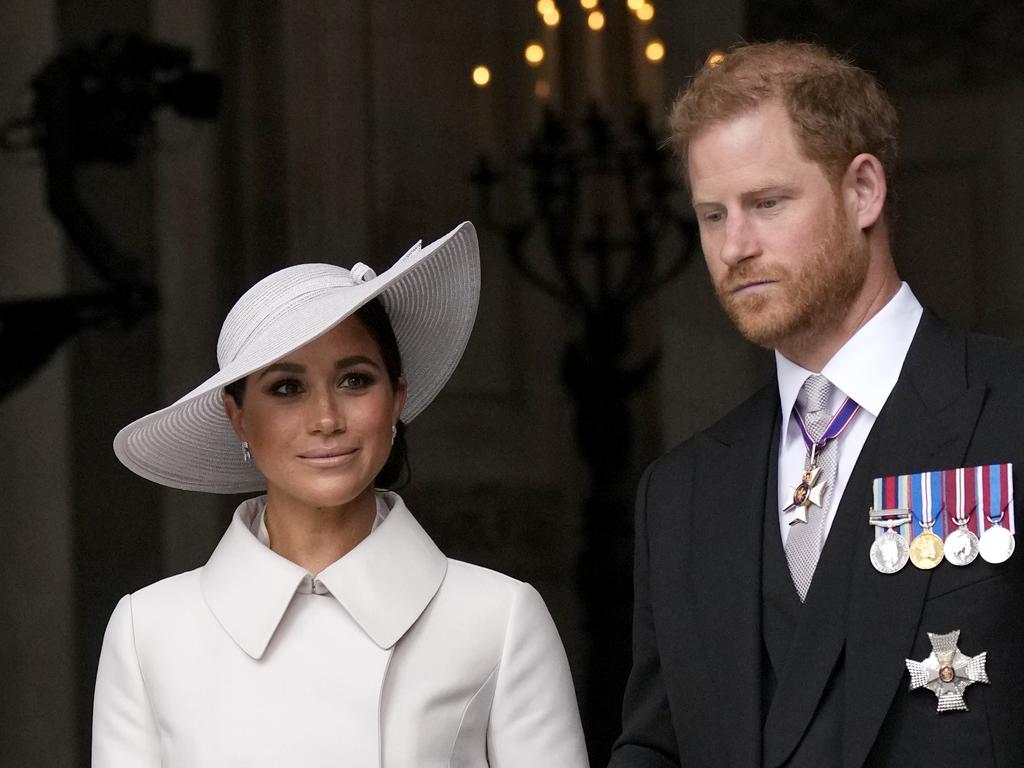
[234, 414]
[864, 186]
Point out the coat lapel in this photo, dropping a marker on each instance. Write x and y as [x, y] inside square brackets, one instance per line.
[726, 555]
[926, 424]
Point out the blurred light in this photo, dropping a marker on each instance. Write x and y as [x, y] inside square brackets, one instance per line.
[588, 5]
[544, 7]
[481, 76]
[634, 5]
[552, 17]
[542, 89]
[655, 50]
[645, 12]
[534, 54]
[595, 20]
[714, 59]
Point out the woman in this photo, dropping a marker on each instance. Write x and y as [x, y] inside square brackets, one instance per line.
[327, 629]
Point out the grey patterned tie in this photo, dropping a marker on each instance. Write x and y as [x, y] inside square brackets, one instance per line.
[804, 542]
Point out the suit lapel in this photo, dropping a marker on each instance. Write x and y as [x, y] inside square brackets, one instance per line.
[926, 424]
[726, 555]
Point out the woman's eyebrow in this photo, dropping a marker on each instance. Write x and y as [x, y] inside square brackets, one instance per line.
[282, 367]
[345, 362]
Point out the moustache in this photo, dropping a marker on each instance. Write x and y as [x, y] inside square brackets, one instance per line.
[743, 275]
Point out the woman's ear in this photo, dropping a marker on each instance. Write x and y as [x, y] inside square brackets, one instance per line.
[234, 413]
[864, 183]
[401, 392]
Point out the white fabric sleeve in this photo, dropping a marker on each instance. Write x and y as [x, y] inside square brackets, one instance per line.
[124, 732]
[534, 719]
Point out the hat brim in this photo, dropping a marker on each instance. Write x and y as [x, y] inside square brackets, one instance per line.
[431, 297]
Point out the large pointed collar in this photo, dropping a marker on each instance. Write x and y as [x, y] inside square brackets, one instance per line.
[385, 583]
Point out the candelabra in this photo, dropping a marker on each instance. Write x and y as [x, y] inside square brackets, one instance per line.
[93, 105]
[610, 236]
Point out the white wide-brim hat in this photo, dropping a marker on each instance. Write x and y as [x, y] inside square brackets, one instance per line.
[430, 296]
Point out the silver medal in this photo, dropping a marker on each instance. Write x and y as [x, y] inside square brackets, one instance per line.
[889, 552]
[961, 546]
[996, 545]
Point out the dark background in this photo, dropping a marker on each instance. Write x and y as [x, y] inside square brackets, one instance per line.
[345, 132]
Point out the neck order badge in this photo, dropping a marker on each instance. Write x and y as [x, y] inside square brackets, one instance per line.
[811, 488]
[971, 506]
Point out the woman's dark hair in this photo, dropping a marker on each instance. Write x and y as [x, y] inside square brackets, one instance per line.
[396, 472]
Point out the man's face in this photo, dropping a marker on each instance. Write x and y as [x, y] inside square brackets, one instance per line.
[782, 250]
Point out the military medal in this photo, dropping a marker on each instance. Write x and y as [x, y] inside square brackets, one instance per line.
[889, 551]
[926, 548]
[810, 490]
[961, 547]
[996, 545]
[947, 672]
[997, 542]
[812, 487]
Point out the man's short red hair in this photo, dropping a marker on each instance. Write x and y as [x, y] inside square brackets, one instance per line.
[839, 111]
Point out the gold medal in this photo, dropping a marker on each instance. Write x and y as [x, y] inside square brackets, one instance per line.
[926, 550]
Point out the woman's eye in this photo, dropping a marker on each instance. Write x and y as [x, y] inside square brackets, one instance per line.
[354, 381]
[285, 388]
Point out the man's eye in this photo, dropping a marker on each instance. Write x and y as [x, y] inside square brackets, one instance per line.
[770, 202]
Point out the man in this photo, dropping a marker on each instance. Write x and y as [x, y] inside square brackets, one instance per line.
[764, 631]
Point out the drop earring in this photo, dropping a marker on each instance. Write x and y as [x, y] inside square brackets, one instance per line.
[246, 453]
[394, 433]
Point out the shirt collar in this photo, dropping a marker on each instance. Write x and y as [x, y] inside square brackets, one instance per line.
[867, 366]
[385, 583]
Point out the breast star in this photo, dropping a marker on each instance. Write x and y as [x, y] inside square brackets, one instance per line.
[947, 672]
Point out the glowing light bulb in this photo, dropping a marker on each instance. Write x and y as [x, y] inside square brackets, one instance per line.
[634, 5]
[481, 76]
[534, 54]
[544, 7]
[595, 20]
[645, 12]
[655, 50]
[588, 5]
[552, 17]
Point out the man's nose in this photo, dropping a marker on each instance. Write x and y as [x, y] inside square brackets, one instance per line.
[740, 242]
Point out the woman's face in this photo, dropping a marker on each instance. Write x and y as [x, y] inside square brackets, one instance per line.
[318, 421]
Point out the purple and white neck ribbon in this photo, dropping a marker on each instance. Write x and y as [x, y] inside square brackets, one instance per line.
[840, 421]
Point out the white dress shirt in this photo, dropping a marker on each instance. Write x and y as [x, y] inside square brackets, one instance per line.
[865, 369]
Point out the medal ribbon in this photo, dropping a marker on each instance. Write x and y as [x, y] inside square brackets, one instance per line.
[926, 496]
[997, 504]
[840, 421]
[890, 495]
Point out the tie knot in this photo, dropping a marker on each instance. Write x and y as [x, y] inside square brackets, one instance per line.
[814, 395]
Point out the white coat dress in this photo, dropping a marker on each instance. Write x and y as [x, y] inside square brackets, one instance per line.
[394, 656]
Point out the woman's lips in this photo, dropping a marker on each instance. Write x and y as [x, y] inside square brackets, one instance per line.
[328, 457]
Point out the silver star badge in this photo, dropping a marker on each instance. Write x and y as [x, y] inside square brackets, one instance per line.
[809, 490]
[947, 672]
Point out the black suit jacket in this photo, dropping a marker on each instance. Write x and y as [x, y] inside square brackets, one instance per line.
[694, 696]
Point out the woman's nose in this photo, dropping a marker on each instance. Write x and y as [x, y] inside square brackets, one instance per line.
[328, 416]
